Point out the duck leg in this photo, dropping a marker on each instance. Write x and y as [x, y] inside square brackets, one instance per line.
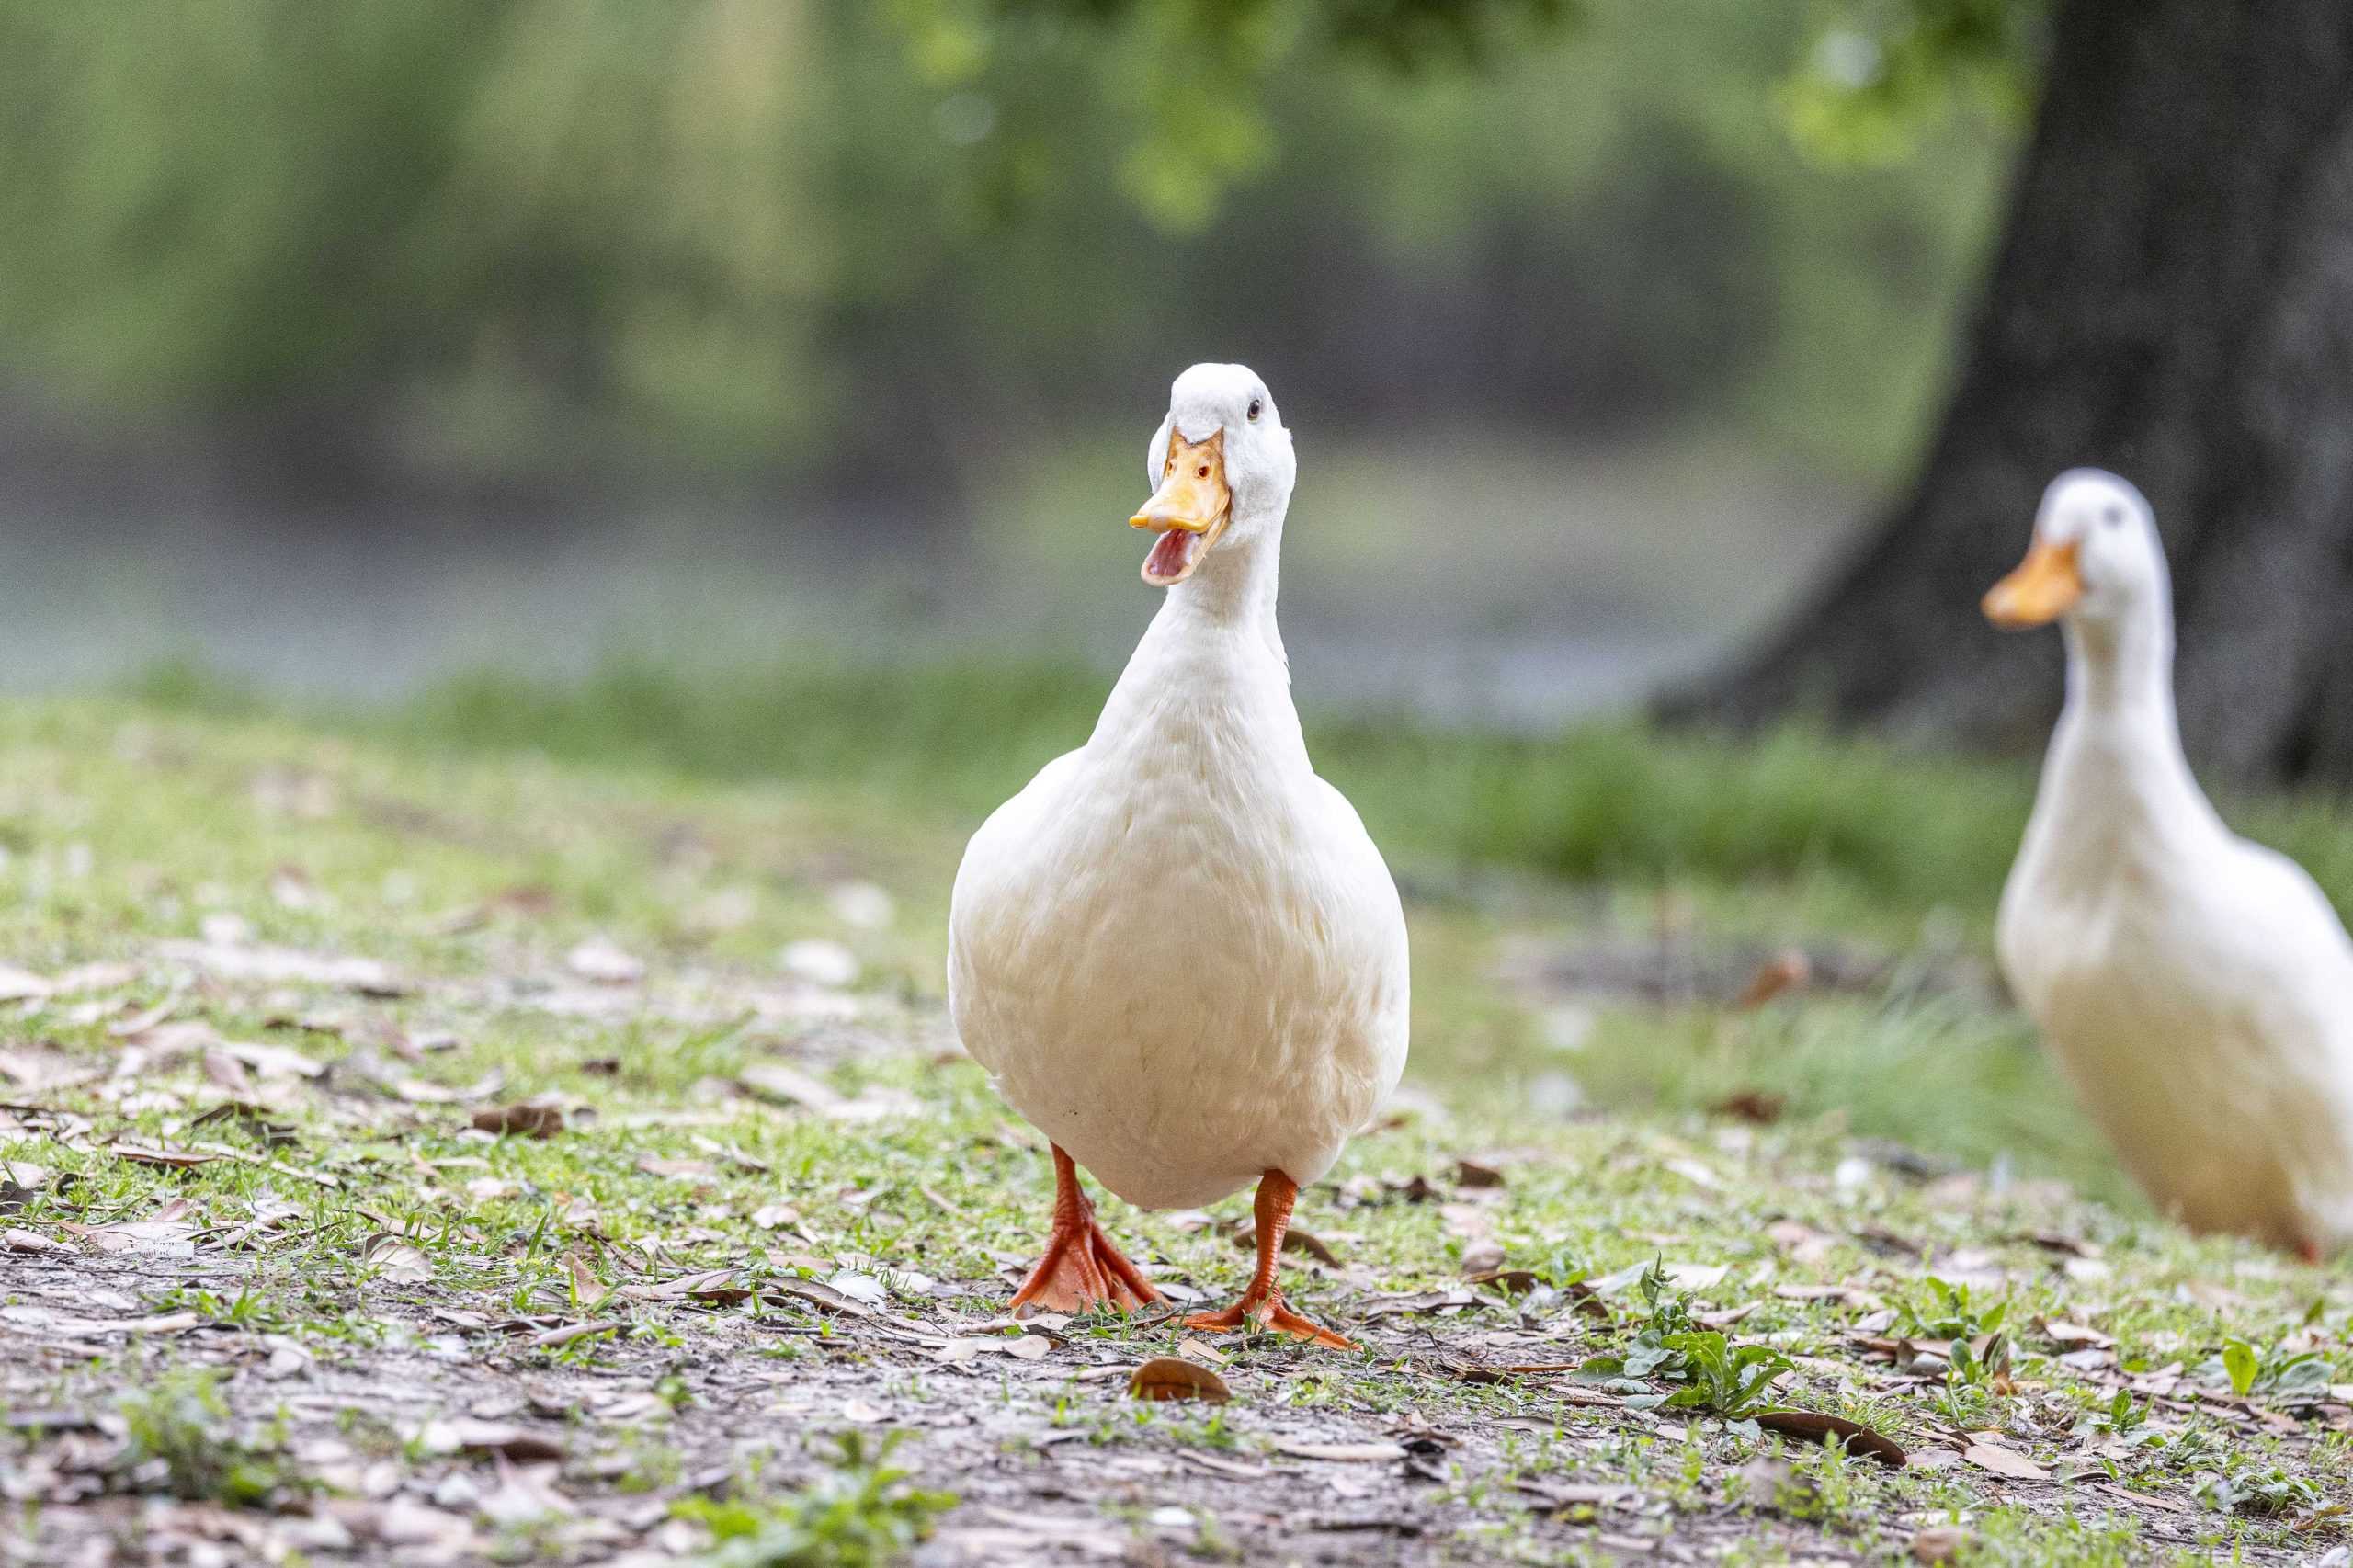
[1081, 1268]
[1262, 1301]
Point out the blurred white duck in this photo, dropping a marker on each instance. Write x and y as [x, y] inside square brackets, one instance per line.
[2197, 989]
[1177, 949]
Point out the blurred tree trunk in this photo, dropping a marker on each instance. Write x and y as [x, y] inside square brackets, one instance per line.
[2172, 298]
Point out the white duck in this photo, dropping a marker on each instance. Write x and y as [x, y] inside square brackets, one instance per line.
[1176, 951]
[2197, 989]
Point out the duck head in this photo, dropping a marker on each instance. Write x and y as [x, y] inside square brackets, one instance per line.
[2095, 558]
[1221, 468]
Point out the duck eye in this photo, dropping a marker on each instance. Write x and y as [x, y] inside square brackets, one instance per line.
[1255, 407]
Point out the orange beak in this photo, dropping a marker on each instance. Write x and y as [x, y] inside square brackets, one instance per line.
[2045, 586]
[1190, 510]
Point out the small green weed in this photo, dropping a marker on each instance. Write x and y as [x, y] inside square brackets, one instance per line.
[862, 1512]
[1717, 1376]
[2250, 1370]
[180, 1432]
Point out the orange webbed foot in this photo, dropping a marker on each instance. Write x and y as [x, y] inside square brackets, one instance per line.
[1271, 1314]
[1261, 1305]
[1081, 1270]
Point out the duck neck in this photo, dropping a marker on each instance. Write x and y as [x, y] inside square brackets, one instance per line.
[2115, 757]
[1234, 587]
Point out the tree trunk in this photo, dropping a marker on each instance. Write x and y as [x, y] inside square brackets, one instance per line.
[2172, 299]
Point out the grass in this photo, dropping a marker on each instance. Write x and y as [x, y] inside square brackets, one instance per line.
[475, 841]
[1886, 829]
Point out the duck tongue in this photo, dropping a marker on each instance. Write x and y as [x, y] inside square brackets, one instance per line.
[1171, 552]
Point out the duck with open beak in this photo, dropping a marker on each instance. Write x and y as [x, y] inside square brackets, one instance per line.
[1189, 511]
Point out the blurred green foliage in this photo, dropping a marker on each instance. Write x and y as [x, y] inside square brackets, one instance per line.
[520, 234]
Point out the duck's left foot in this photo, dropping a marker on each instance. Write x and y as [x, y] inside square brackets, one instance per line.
[2309, 1250]
[1262, 1303]
[1269, 1312]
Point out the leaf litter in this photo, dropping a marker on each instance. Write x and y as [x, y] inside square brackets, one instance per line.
[422, 1328]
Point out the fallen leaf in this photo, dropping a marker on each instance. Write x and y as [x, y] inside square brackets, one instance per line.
[399, 1261]
[1475, 1173]
[2003, 1461]
[674, 1170]
[165, 1323]
[417, 1091]
[1860, 1440]
[564, 1334]
[230, 961]
[1344, 1453]
[1761, 1106]
[2076, 1336]
[227, 1071]
[273, 1061]
[586, 1289]
[1786, 971]
[178, 1159]
[21, 984]
[465, 1435]
[786, 1085]
[170, 1238]
[27, 1241]
[1941, 1544]
[1172, 1377]
[863, 1412]
[772, 1216]
[522, 1119]
[861, 1286]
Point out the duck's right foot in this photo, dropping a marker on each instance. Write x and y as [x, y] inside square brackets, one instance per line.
[1081, 1270]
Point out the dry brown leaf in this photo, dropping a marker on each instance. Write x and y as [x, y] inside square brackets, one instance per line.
[227, 1071]
[1172, 1377]
[273, 1061]
[178, 1159]
[162, 1322]
[1860, 1440]
[2003, 1461]
[399, 1261]
[27, 1241]
[1476, 1173]
[1785, 972]
[509, 1442]
[1940, 1543]
[522, 1119]
[586, 1289]
[788, 1085]
[1762, 1107]
[171, 1238]
[1344, 1453]
[564, 1334]
[417, 1091]
[2076, 1336]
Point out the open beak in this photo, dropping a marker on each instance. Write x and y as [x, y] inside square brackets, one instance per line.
[2045, 586]
[1190, 510]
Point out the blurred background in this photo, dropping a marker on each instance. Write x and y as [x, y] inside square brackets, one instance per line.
[347, 350]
